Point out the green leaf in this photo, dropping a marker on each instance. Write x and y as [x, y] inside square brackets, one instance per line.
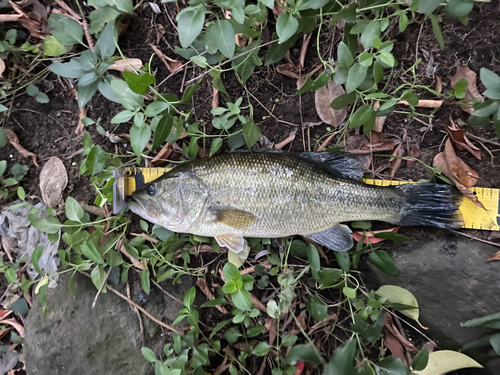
[400, 296]
[35, 258]
[304, 353]
[215, 146]
[32, 90]
[242, 300]
[343, 360]
[421, 359]
[371, 31]
[316, 307]
[101, 16]
[190, 23]
[388, 59]
[355, 77]
[139, 83]
[286, 26]
[231, 273]
[277, 51]
[310, 85]
[343, 101]
[139, 138]
[3, 163]
[428, 6]
[162, 131]
[222, 35]
[98, 276]
[214, 302]
[221, 325]
[47, 225]
[156, 108]
[262, 348]
[403, 22]
[145, 282]
[128, 99]
[66, 30]
[393, 366]
[3, 142]
[105, 46]
[314, 261]
[490, 79]
[481, 320]
[361, 116]
[444, 361]
[329, 276]
[436, 28]
[343, 259]
[122, 117]
[397, 237]
[148, 354]
[189, 297]
[288, 340]
[366, 59]
[349, 292]
[85, 93]
[88, 249]
[371, 332]
[251, 133]
[232, 334]
[53, 48]
[344, 56]
[459, 8]
[96, 160]
[74, 211]
[189, 92]
[383, 261]
[11, 276]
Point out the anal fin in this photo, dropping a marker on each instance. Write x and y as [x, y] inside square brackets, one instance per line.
[338, 238]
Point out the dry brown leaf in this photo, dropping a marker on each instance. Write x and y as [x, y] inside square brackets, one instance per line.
[395, 162]
[290, 138]
[161, 156]
[288, 70]
[471, 92]
[395, 347]
[137, 264]
[14, 323]
[240, 40]
[461, 171]
[171, 64]
[9, 17]
[414, 153]
[424, 103]
[35, 21]
[126, 65]
[215, 98]
[305, 43]
[370, 236]
[461, 141]
[14, 141]
[53, 180]
[389, 325]
[354, 143]
[379, 121]
[439, 84]
[202, 284]
[2, 67]
[495, 256]
[322, 99]
[440, 161]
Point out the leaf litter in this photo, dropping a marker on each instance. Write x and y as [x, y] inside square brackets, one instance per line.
[14, 141]
[53, 181]
[461, 141]
[322, 99]
[471, 92]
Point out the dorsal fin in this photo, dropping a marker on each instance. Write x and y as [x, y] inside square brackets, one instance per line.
[340, 164]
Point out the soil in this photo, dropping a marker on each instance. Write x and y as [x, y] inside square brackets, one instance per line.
[48, 129]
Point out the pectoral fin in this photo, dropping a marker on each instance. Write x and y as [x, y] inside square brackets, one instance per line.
[233, 217]
[338, 238]
[237, 246]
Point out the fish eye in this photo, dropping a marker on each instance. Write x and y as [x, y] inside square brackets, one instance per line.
[151, 189]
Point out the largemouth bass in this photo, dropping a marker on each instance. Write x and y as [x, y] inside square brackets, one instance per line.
[269, 195]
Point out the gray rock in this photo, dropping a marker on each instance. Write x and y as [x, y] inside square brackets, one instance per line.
[76, 339]
[452, 282]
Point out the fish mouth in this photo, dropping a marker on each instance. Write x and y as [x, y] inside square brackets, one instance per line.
[143, 207]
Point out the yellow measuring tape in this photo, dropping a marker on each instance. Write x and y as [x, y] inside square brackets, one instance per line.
[128, 179]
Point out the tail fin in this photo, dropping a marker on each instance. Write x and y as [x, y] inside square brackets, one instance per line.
[428, 204]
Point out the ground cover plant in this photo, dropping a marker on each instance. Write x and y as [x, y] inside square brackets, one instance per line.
[115, 82]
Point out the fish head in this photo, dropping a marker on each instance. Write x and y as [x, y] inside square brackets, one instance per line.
[176, 202]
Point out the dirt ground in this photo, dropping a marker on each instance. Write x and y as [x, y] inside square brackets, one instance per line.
[48, 129]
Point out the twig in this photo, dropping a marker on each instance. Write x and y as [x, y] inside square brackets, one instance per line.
[481, 139]
[97, 211]
[100, 288]
[164, 325]
[475, 238]
[270, 113]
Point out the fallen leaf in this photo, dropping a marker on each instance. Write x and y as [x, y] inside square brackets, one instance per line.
[389, 325]
[378, 143]
[300, 367]
[439, 84]
[288, 70]
[471, 92]
[322, 99]
[14, 323]
[290, 138]
[35, 21]
[461, 141]
[370, 236]
[4, 331]
[424, 103]
[215, 98]
[2, 67]
[240, 40]
[160, 31]
[395, 161]
[461, 171]
[495, 256]
[305, 43]
[445, 361]
[9, 17]
[126, 65]
[53, 180]
[440, 161]
[171, 64]
[202, 284]
[14, 141]
[414, 153]
[379, 121]
[397, 295]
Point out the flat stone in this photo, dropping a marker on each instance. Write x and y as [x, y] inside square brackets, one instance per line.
[76, 339]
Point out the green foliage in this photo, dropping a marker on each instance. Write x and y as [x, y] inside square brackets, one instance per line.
[9, 185]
